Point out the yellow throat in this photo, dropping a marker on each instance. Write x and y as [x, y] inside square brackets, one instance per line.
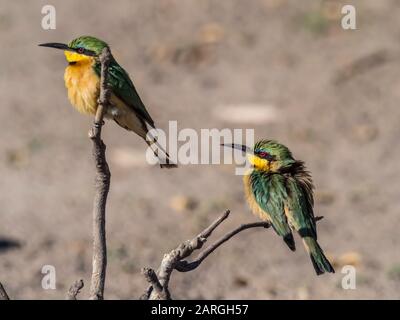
[262, 164]
[82, 82]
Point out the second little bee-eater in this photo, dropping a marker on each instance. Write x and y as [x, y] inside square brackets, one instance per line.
[82, 79]
[279, 190]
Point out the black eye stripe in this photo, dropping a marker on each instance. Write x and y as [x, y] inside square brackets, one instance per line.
[265, 155]
[84, 51]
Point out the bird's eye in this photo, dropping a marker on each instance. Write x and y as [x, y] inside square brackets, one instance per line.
[263, 154]
[81, 50]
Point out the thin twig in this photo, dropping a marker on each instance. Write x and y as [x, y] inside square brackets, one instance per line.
[74, 290]
[102, 185]
[3, 293]
[184, 266]
[208, 231]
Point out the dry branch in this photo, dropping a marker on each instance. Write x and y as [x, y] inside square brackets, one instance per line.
[3, 293]
[156, 289]
[174, 260]
[74, 290]
[184, 266]
[102, 185]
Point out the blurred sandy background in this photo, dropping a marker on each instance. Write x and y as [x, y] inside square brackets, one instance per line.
[331, 95]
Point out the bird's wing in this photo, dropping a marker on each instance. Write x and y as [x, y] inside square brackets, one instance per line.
[299, 209]
[124, 89]
[270, 193]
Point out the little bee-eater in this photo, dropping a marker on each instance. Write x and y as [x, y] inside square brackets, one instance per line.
[82, 79]
[279, 190]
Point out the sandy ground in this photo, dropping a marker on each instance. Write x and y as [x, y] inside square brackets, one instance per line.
[331, 95]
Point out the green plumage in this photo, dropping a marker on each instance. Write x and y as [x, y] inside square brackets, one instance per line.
[270, 192]
[123, 88]
[89, 43]
[285, 194]
[138, 120]
[118, 78]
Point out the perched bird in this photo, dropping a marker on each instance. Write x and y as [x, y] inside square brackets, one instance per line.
[279, 190]
[82, 79]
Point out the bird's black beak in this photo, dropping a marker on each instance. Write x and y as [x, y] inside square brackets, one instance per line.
[56, 45]
[63, 46]
[243, 148]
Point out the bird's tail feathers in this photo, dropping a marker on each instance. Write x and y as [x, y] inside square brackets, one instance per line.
[289, 240]
[161, 154]
[320, 262]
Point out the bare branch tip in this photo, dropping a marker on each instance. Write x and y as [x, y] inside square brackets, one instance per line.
[151, 277]
[3, 293]
[75, 289]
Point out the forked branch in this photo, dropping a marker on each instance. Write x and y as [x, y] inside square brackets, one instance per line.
[175, 260]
